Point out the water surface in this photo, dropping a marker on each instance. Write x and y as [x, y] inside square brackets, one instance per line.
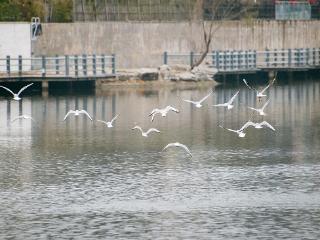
[78, 179]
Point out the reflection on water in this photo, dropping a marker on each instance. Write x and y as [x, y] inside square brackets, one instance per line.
[79, 179]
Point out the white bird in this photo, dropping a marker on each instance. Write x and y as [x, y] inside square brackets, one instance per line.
[260, 110]
[23, 117]
[198, 103]
[162, 111]
[16, 95]
[259, 93]
[109, 124]
[264, 123]
[145, 134]
[229, 103]
[176, 144]
[240, 131]
[77, 113]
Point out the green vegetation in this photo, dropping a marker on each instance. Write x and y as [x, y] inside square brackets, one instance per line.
[47, 10]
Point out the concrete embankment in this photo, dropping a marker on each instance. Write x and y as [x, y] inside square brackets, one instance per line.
[139, 45]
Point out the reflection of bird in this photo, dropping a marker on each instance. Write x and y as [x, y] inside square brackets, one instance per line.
[260, 110]
[16, 95]
[259, 93]
[227, 104]
[109, 124]
[240, 131]
[176, 144]
[264, 123]
[162, 111]
[145, 134]
[23, 117]
[77, 113]
[198, 103]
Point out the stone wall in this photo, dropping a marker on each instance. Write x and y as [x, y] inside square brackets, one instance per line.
[138, 44]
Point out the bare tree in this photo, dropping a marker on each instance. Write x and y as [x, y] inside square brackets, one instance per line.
[212, 11]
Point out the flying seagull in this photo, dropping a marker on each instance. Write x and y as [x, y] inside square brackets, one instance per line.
[264, 123]
[145, 134]
[23, 117]
[259, 93]
[109, 124]
[162, 111]
[176, 144]
[77, 113]
[240, 131]
[229, 103]
[260, 110]
[198, 103]
[16, 95]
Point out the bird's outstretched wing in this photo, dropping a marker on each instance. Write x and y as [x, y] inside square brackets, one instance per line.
[231, 130]
[114, 118]
[264, 106]
[233, 97]
[189, 101]
[16, 118]
[247, 124]
[220, 105]
[255, 109]
[102, 121]
[204, 98]
[86, 113]
[22, 89]
[272, 82]
[154, 111]
[168, 145]
[7, 89]
[265, 123]
[152, 130]
[137, 127]
[250, 87]
[67, 115]
[184, 147]
[168, 108]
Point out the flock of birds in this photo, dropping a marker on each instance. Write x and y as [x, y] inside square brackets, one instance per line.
[164, 111]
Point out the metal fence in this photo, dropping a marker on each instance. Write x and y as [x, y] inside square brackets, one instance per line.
[59, 66]
[251, 60]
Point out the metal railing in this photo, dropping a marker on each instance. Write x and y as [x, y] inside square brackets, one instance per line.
[59, 66]
[251, 60]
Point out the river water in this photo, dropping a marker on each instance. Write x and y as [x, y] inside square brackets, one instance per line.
[78, 179]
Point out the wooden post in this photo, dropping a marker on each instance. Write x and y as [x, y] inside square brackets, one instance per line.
[103, 64]
[84, 64]
[289, 57]
[113, 64]
[165, 58]
[8, 65]
[76, 73]
[66, 63]
[20, 65]
[191, 58]
[94, 65]
[57, 64]
[43, 68]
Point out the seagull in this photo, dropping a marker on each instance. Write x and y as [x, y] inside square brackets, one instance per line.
[198, 103]
[260, 110]
[264, 123]
[227, 104]
[16, 95]
[240, 131]
[176, 144]
[259, 93]
[109, 124]
[163, 111]
[22, 117]
[77, 113]
[145, 134]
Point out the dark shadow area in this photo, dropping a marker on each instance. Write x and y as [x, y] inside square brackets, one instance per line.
[72, 88]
